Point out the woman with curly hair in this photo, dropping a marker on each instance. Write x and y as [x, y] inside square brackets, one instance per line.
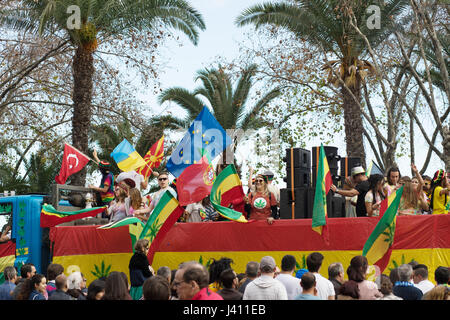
[215, 269]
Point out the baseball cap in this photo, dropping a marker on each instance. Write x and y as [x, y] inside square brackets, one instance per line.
[268, 173]
[357, 170]
[267, 261]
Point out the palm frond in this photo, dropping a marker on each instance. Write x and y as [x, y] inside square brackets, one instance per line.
[184, 98]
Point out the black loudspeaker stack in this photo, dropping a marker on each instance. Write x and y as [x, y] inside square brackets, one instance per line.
[304, 203]
[298, 168]
[297, 200]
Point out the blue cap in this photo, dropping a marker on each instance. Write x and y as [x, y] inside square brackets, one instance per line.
[300, 272]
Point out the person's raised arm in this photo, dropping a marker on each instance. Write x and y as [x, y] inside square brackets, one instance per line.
[419, 178]
[345, 193]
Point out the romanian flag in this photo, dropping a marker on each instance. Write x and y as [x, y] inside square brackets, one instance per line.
[126, 157]
[163, 217]
[153, 158]
[323, 185]
[227, 189]
[377, 248]
[50, 217]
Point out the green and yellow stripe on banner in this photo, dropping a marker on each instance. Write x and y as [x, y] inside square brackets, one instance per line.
[163, 217]
[382, 237]
[51, 217]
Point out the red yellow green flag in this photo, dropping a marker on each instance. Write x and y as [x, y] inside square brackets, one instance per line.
[377, 248]
[323, 185]
[50, 217]
[153, 158]
[227, 188]
[163, 217]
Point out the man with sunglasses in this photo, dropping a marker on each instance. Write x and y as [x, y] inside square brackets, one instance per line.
[163, 182]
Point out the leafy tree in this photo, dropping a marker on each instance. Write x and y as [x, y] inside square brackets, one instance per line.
[99, 19]
[325, 24]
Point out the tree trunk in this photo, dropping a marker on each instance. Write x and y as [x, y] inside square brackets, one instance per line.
[83, 71]
[446, 145]
[353, 123]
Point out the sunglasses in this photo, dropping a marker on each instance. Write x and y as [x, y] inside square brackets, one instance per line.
[259, 180]
[162, 179]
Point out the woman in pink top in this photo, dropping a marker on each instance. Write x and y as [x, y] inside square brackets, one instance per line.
[357, 271]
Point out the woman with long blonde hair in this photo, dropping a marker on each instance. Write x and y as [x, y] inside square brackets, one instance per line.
[261, 204]
[411, 202]
[135, 203]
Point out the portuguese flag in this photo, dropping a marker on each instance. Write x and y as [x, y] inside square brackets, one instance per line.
[323, 185]
[227, 189]
[377, 248]
[163, 217]
[50, 217]
[195, 182]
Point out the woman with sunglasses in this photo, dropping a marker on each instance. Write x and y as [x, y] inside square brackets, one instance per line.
[261, 204]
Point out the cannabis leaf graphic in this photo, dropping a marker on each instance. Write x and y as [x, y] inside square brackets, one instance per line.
[103, 271]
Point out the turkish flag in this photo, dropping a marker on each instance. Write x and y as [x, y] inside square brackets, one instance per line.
[73, 162]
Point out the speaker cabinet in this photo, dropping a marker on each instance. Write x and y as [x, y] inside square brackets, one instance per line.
[303, 203]
[301, 158]
[302, 178]
[332, 157]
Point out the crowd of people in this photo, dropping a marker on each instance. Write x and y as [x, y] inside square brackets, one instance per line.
[262, 280]
[421, 194]
[363, 194]
[122, 194]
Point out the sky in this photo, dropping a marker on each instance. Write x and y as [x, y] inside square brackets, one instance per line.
[221, 38]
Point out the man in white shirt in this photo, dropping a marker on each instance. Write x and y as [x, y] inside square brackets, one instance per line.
[266, 287]
[325, 288]
[163, 182]
[420, 277]
[292, 284]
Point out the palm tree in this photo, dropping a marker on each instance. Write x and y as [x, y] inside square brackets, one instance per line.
[41, 171]
[229, 105]
[326, 24]
[99, 19]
